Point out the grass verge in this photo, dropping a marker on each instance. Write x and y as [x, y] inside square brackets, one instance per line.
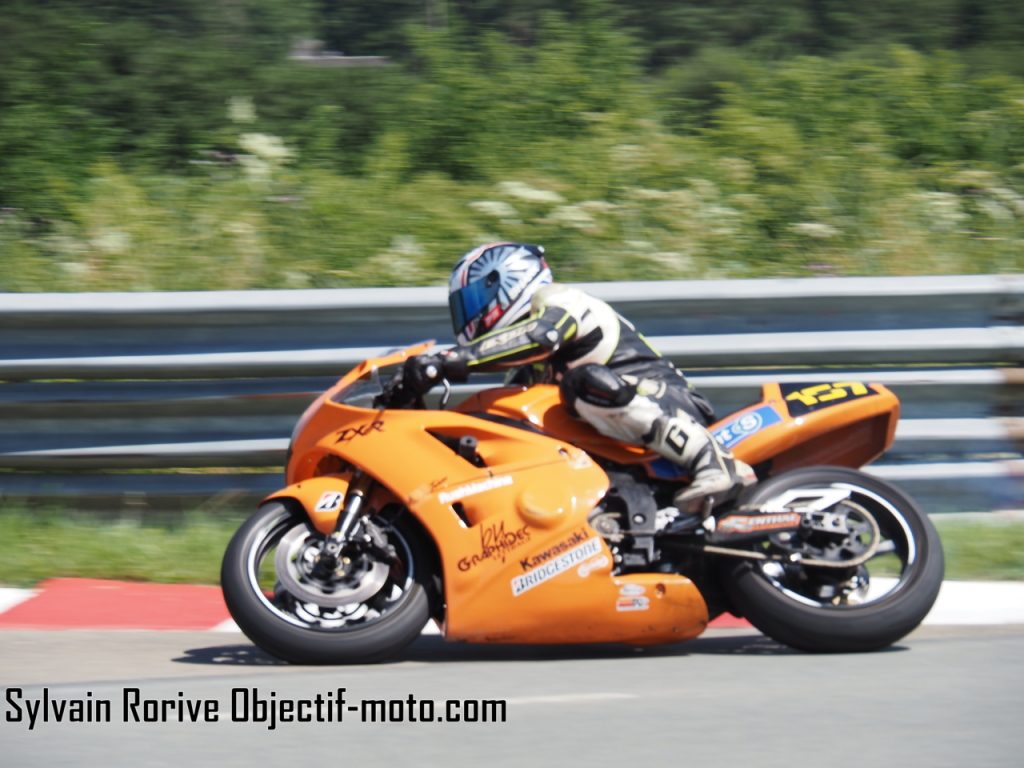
[40, 545]
[983, 550]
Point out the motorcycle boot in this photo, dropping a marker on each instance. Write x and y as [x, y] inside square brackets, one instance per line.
[636, 410]
[716, 473]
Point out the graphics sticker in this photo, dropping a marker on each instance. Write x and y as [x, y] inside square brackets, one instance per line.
[552, 564]
[592, 565]
[472, 489]
[329, 501]
[495, 544]
[362, 430]
[624, 604]
[751, 523]
[739, 429]
[801, 399]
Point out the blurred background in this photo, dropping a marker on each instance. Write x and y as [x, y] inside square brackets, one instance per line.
[201, 145]
[208, 144]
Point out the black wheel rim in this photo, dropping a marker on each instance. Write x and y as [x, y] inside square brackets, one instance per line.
[891, 566]
[306, 614]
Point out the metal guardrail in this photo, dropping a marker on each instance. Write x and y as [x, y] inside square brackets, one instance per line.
[100, 385]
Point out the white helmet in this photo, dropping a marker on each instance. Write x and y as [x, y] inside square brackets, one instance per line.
[491, 287]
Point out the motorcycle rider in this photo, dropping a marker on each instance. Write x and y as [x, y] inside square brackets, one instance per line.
[508, 313]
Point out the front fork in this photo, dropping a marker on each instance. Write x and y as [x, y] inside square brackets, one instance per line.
[349, 522]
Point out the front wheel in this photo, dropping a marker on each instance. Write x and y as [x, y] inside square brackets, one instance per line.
[863, 572]
[366, 608]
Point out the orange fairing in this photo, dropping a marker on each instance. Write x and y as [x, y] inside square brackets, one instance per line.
[321, 497]
[506, 495]
[541, 406]
[520, 561]
[845, 423]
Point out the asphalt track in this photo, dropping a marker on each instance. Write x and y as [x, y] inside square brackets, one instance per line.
[944, 696]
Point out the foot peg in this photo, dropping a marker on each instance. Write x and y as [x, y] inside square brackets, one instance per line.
[670, 520]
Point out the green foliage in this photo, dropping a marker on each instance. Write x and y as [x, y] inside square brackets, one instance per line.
[147, 149]
[905, 162]
[124, 78]
[479, 103]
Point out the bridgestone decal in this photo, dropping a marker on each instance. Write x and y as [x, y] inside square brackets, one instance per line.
[560, 564]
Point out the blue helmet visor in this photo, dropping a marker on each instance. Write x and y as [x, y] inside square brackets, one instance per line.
[468, 304]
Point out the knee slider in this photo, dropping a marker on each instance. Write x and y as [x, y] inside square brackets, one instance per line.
[597, 385]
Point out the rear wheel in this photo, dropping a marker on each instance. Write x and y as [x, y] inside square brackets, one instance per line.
[367, 608]
[862, 573]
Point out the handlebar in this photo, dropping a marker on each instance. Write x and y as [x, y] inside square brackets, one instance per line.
[397, 393]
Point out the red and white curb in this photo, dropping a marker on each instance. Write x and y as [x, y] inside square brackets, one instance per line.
[11, 597]
[100, 604]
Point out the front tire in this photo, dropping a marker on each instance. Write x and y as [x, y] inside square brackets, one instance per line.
[307, 621]
[834, 610]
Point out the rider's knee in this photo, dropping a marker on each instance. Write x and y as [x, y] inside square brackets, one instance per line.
[598, 385]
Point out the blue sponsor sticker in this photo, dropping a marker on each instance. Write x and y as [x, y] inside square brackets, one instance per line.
[739, 429]
[663, 469]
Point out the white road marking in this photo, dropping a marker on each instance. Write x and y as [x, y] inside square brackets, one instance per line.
[10, 597]
[979, 602]
[230, 626]
[969, 602]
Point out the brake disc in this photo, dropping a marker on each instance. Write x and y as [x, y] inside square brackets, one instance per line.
[353, 581]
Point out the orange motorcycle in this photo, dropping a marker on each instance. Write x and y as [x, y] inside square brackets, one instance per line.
[507, 520]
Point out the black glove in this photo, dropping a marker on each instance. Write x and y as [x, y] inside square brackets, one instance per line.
[422, 372]
[418, 375]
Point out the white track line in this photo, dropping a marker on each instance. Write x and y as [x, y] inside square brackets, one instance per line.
[969, 602]
[10, 597]
[230, 626]
[979, 602]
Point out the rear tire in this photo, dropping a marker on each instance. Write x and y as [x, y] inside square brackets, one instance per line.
[298, 630]
[787, 603]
